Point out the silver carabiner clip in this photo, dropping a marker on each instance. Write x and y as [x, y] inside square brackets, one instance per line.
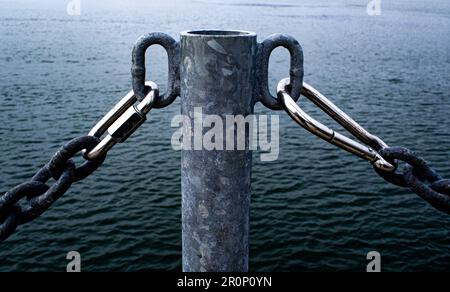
[329, 135]
[121, 121]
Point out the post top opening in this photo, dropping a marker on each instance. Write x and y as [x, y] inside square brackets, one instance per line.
[218, 33]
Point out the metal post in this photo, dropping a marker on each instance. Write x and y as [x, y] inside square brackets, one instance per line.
[217, 74]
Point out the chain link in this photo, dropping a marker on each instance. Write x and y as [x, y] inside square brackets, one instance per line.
[117, 126]
[29, 200]
[415, 173]
[37, 194]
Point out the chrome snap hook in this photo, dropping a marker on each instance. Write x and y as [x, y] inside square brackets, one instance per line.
[122, 120]
[265, 49]
[329, 135]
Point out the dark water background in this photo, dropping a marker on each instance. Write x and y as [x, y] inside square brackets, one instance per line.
[316, 208]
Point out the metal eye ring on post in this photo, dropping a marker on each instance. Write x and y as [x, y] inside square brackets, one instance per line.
[138, 67]
[265, 49]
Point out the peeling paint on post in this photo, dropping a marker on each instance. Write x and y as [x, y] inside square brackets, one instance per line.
[218, 70]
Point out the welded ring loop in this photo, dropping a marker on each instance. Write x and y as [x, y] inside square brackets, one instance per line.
[14, 195]
[419, 165]
[439, 201]
[10, 211]
[295, 73]
[39, 204]
[57, 164]
[9, 223]
[138, 67]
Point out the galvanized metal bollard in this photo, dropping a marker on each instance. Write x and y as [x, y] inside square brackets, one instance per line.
[222, 73]
[218, 72]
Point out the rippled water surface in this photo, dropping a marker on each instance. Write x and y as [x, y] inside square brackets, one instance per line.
[315, 208]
